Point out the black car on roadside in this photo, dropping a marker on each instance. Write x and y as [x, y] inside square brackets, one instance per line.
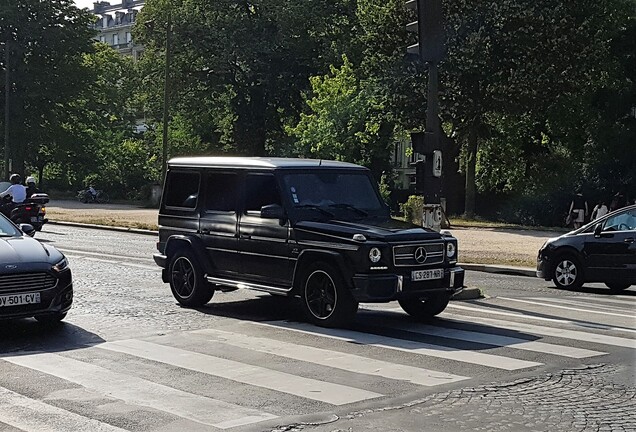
[604, 250]
[35, 279]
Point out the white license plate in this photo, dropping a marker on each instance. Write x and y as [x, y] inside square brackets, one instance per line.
[19, 299]
[418, 275]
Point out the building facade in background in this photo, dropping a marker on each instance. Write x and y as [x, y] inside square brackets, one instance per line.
[114, 24]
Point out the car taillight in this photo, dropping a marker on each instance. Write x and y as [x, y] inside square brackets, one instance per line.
[28, 208]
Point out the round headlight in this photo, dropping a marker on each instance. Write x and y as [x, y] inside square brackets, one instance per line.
[450, 250]
[375, 255]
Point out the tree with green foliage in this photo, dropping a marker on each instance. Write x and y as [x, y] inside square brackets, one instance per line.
[237, 66]
[45, 42]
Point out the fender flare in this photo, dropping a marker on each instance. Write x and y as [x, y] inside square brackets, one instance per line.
[322, 255]
[192, 243]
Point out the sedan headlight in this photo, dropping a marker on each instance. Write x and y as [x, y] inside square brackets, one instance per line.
[451, 249]
[375, 255]
[61, 265]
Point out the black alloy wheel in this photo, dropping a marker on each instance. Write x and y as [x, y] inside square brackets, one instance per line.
[187, 283]
[425, 309]
[567, 273]
[326, 300]
[617, 286]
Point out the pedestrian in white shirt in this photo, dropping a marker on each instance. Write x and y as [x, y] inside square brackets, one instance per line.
[599, 210]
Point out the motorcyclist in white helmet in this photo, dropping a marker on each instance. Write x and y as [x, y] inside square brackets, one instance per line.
[30, 186]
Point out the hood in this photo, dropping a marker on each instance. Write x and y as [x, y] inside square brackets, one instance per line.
[379, 229]
[26, 252]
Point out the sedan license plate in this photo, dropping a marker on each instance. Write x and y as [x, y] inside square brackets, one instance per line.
[19, 299]
[418, 275]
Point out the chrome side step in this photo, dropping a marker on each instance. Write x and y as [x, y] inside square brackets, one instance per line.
[246, 285]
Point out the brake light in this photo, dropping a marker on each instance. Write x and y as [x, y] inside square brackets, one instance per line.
[28, 208]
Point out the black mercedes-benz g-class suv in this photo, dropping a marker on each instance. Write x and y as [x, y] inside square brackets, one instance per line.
[314, 229]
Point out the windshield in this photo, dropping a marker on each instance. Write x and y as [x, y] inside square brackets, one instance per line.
[345, 195]
[6, 228]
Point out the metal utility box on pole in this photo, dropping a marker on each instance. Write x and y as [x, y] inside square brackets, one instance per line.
[430, 49]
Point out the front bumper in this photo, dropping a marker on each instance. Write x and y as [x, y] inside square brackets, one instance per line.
[543, 267]
[388, 287]
[55, 300]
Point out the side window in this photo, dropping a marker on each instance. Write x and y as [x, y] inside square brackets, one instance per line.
[625, 221]
[182, 189]
[222, 192]
[260, 190]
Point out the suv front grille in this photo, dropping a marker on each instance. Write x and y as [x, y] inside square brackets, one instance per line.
[22, 282]
[427, 253]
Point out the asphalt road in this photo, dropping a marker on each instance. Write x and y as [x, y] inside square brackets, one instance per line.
[527, 357]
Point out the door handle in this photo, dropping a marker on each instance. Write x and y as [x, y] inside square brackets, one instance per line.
[629, 240]
[205, 231]
[245, 236]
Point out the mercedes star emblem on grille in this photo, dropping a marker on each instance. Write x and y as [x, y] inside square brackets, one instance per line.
[420, 255]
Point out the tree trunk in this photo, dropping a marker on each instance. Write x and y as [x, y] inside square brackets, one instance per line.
[471, 164]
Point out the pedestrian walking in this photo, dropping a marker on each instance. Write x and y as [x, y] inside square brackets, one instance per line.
[578, 210]
[600, 210]
[618, 201]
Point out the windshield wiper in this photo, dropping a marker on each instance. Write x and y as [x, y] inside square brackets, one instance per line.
[350, 207]
[315, 207]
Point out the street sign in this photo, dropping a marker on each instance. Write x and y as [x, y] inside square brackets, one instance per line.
[437, 163]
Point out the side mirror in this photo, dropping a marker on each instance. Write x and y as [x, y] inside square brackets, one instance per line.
[27, 229]
[272, 211]
[598, 228]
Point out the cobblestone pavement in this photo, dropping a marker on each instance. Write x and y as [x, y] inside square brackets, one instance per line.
[573, 400]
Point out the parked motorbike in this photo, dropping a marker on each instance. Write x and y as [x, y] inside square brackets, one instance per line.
[32, 211]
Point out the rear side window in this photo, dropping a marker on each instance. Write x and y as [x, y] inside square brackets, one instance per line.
[182, 189]
[260, 190]
[222, 192]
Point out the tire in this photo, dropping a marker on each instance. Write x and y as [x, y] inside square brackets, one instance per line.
[51, 320]
[567, 273]
[102, 198]
[617, 286]
[425, 309]
[187, 284]
[325, 298]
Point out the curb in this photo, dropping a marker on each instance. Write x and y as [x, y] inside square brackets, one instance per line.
[500, 269]
[106, 227]
[468, 294]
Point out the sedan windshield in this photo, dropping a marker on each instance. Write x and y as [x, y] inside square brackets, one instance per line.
[331, 193]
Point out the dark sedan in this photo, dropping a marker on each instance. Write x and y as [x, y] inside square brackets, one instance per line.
[602, 251]
[35, 280]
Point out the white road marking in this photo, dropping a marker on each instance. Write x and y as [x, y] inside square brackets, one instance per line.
[334, 359]
[598, 304]
[546, 331]
[142, 392]
[564, 307]
[334, 394]
[413, 347]
[498, 340]
[31, 415]
[491, 311]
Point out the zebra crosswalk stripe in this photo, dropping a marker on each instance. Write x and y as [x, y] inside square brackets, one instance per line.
[142, 392]
[543, 304]
[498, 340]
[546, 331]
[335, 394]
[30, 415]
[413, 347]
[333, 359]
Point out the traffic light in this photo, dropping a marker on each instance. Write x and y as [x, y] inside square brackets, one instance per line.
[429, 29]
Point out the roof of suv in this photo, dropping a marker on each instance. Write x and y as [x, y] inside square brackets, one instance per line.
[257, 162]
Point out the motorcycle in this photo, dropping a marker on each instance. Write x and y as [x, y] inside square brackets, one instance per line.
[32, 211]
